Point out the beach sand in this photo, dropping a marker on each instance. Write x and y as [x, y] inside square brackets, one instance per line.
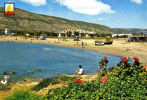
[119, 47]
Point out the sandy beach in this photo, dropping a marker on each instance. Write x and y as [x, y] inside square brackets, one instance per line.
[119, 47]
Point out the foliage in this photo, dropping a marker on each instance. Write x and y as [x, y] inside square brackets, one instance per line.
[5, 87]
[24, 95]
[53, 80]
[127, 81]
[102, 65]
[73, 91]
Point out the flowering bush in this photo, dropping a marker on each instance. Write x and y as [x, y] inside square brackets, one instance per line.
[111, 68]
[125, 59]
[126, 82]
[105, 58]
[78, 80]
[102, 65]
[136, 59]
[104, 79]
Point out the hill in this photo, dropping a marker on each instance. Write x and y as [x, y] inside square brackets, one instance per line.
[130, 30]
[31, 22]
[26, 21]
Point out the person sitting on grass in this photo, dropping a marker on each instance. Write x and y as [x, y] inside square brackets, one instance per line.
[80, 71]
[5, 79]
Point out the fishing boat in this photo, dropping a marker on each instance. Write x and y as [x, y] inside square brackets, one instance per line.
[99, 43]
[108, 43]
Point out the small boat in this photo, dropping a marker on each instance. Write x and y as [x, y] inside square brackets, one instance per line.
[99, 43]
[108, 43]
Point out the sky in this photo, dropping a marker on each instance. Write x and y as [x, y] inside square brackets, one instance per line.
[112, 13]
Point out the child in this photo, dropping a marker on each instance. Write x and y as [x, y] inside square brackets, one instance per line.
[5, 79]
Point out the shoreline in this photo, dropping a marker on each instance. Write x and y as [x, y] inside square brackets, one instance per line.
[118, 48]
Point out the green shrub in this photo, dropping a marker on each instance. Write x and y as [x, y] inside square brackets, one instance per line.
[102, 65]
[6, 87]
[127, 81]
[24, 95]
[53, 80]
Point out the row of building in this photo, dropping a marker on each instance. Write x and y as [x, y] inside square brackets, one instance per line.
[80, 32]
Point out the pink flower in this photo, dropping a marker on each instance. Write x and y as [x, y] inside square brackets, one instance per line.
[125, 59]
[104, 79]
[105, 58]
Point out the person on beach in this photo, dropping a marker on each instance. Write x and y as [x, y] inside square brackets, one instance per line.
[80, 71]
[82, 44]
[5, 79]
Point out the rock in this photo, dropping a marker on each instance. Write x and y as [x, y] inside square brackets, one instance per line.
[32, 80]
[57, 72]
[38, 70]
[31, 72]
[11, 73]
[63, 75]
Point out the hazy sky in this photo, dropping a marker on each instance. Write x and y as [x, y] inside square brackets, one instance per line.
[112, 13]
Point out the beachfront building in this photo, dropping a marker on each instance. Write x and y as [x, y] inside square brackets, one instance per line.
[137, 39]
[91, 34]
[13, 33]
[64, 33]
[121, 35]
[76, 32]
[27, 34]
[7, 32]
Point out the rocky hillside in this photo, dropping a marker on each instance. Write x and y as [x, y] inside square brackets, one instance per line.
[31, 22]
[23, 20]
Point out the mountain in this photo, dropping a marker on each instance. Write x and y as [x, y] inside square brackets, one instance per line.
[26, 21]
[130, 30]
[31, 22]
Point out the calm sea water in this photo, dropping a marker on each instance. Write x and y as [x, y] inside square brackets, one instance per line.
[22, 57]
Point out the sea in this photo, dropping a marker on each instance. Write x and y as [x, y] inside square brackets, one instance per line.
[24, 58]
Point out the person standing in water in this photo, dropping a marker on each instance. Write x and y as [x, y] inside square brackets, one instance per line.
[5, 79]
[80, 71]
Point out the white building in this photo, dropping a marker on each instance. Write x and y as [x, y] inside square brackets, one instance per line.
[27, 34]
[7, 31]
[122, 34]
[13, 33]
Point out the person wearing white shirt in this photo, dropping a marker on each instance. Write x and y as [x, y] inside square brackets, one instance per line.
[5, 79]
[80, 71]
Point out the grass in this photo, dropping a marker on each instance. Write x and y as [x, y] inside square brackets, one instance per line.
[53, 80]
[6, 87]
[24, 95]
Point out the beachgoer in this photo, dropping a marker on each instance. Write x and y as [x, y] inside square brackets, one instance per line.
[5, 79]
[77, 42]
[82, 44]
[80, 71]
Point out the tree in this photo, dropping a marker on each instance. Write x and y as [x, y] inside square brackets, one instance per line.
[134, 34]
[69, 33]
[141, 34]
[76, 33]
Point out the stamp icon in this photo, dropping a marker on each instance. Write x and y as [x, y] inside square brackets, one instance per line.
[9, 8]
